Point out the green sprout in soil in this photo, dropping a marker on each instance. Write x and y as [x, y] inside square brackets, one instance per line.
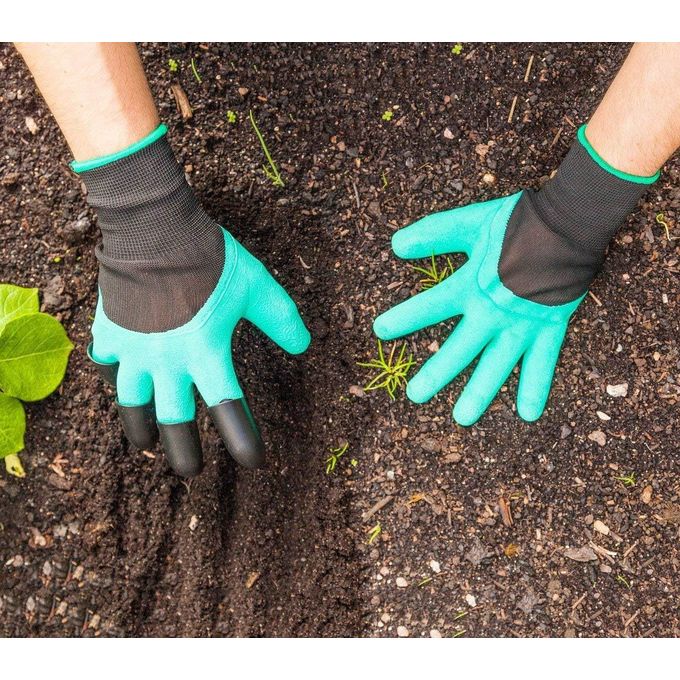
[662, 221]
[392, 372]
[374, 532]
[622, 579]
[432, 274]
[193, 68]
[457, 49]
[231, 116]
[627, 480]
[172, 65]
[336, 454]
[34, 351]
[387, 115]
[272, 172]
[459, 633]
[354, 462]
[425, 581]
[384, 180]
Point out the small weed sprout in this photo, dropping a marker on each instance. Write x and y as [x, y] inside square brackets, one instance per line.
[385, 183]
[457, 49]
[272, 172]
[387, 115]
[173, 66]
[193, 68]
[624, 580]
[336, 454]
[374, 532]
[432, 275]
[662, 221]
[231, 117]
[392, 372]
[627, 480]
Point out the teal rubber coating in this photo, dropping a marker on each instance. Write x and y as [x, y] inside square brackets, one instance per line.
[165, 367]
[84, 166]
[497, 326]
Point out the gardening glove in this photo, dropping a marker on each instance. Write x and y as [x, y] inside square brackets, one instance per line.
[531, 259]
[173, 284]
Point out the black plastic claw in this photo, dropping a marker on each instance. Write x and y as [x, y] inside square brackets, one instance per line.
[239, 432]
[182, 447]
[106, 371]
[139, 425]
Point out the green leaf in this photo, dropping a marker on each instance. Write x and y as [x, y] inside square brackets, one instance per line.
[34, 350]
[12, 425]
[16, 301]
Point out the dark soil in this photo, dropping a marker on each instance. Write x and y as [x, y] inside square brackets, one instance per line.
[101, 539]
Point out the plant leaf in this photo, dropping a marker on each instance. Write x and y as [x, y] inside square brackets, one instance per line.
[34, 350]
[15, 301]
[12, 425]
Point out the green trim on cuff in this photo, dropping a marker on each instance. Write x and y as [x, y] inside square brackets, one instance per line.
[84, 166]
[611, 169]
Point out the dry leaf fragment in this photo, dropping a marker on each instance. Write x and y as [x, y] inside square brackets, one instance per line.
[252, 578]
[598, 437]
[506, 512]
[583, 554]
[31, 125]
[646, 495]
[511, 550]
[182, 101]
[601, 527]
[448, 134]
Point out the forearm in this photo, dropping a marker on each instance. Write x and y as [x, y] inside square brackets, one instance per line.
[636, 127]
[97, 92]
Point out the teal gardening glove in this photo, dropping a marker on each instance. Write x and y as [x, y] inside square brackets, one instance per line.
[172, 287]
[531, 258]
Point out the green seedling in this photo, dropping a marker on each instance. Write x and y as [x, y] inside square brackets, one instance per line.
[627, 480]
[432, 274]
[622, 579]
[392, 372]
[374, 532]
[34, 351]
[388, 115]
[459, 633]
[173, 66]
[425, 581]
[336, 454]
[354, 462]
[662, 221]
[231, 116]
[193, 68]
[272, 172]
[457, 49]
[384, 180]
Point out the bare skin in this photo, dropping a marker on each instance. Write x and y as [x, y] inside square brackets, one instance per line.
[98, 93]
[636, 127]
[101, 99]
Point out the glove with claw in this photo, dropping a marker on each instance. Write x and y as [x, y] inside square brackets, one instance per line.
[173, 284]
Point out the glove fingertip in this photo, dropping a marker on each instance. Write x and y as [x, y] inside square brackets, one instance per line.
[530, 411]
[300, 341]
[402, 243]
[465, 415]
[416, 393]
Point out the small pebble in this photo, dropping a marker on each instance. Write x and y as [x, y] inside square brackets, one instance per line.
[401, 582]
[620, 390]
[435, 566]
[434, 633]
[402, 631]
[471, 600]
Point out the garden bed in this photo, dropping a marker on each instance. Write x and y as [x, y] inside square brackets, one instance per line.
[101, 539]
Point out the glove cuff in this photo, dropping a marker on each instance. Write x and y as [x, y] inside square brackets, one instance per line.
[161, 255]
[556, 238]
